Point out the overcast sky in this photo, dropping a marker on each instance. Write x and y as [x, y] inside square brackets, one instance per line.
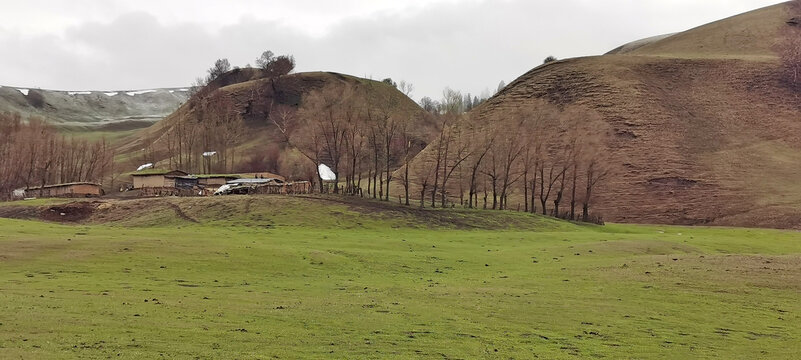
[469, 45]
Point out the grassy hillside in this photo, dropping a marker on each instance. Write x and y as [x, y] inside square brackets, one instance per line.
[276, 277]
[705, 129]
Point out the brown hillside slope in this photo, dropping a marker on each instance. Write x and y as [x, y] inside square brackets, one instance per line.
[705, 131]
[750, 35]
[253, 96]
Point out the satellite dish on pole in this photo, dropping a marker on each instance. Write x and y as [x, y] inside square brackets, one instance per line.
[326, 173]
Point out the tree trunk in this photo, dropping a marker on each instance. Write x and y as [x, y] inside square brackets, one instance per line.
[573, 194]
[406, 181]
[543, 197]
[525, 189]
[369, 182]
[585, 215]
[556, 203]
[494, 194]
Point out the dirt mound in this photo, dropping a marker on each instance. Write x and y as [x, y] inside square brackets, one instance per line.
[414, 216]
[269, 211]
[70, 213]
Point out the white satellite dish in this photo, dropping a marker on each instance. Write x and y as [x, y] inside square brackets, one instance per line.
[326, 173]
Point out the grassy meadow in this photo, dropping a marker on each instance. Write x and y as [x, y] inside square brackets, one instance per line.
[286, 278]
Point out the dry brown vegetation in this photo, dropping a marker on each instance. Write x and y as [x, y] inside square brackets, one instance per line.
[695, 128]
[289, 125]
[33, 153]
[789, 46]
[705, 131]
[361, 135]
[537, 154]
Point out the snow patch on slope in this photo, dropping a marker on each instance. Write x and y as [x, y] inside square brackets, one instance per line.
[140, 92]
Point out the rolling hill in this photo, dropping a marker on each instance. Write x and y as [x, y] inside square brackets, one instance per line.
[252, 95]
[706, 132]
[94, 111]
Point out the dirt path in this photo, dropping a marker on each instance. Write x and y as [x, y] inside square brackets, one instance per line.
[181, 214]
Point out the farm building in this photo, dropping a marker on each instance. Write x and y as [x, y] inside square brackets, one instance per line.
[155, 178]
[155, 182]
[263, 175]
[76, 189]
[215, 180]
[264, 186]
[162, 182]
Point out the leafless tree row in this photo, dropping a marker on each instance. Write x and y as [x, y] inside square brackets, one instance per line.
[205, 140]
[33, 153]
[362, 134]
[547, 159]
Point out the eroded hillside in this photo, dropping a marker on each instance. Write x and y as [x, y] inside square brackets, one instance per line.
[705, 129]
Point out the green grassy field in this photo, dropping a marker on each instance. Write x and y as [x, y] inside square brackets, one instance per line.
[284, 278]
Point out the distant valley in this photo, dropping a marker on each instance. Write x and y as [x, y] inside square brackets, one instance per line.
[118, 111]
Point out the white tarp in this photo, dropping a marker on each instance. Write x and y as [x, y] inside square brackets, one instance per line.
[253, 181]
[145, 166]
[222, 189]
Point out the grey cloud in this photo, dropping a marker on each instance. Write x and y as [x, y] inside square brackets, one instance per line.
[469, 46]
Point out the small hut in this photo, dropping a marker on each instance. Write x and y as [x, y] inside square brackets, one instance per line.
[215, 181]
[69, 190]
[156, 178]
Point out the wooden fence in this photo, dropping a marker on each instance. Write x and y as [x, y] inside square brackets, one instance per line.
[299, 187]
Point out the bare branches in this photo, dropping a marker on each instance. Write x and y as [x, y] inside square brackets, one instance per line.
[34, 154]
[547, 153]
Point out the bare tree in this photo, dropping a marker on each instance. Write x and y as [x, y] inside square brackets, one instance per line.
[456, 151]
[221, 66]
[265, 59]
[301, 135]
[281, 65]
[406, 88]
[596, 172]
[480, 147]
[33, 153]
